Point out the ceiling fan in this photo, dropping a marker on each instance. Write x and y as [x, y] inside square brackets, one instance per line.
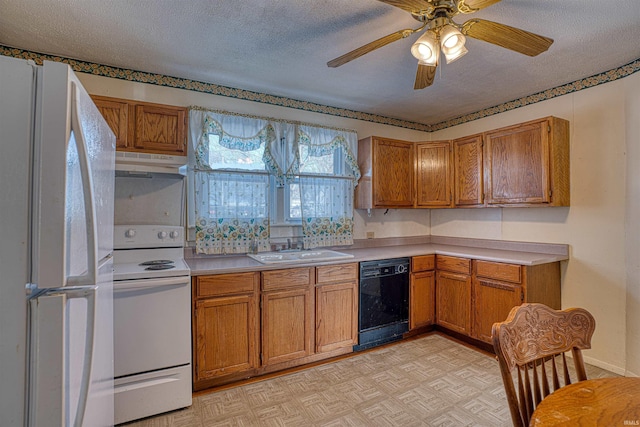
[443, 35]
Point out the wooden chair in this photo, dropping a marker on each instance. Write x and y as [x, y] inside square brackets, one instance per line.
[533, 341]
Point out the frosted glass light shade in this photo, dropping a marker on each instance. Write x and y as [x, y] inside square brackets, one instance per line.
[426, 49]
[452, 41]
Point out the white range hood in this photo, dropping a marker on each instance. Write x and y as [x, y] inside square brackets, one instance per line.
[143, 163]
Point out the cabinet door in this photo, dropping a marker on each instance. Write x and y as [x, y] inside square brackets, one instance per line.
[336, 316]
[493, 300]
[287, 325]
[392, 173]
[116, 114]
[433, 174]
[422, 291]
[453, 294]
[467, 169]
[226, 336]
[517, 164]
[160, 129]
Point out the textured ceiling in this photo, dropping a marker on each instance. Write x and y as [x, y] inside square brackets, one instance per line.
[281, 47]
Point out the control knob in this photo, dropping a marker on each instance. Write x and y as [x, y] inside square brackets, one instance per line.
[174, 234]
[162, 235]
[130, 233]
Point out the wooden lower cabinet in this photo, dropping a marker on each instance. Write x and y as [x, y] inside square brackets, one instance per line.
[227, 336]
[498, 287]
[248, 324]
[422, 292]
[287, 325]
[336, 307]
[493, 300]
[226, 325]
[453, 301]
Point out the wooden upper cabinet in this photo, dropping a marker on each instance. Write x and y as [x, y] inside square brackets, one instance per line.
[528, 164]
[467, 170]
[160, 129]
[433, 174]
[116, 113]
[387, 170]
[145, 127]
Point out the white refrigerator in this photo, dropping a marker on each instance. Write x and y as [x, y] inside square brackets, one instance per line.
[56, 241]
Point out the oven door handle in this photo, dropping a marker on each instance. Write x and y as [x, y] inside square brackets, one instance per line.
[150, 283]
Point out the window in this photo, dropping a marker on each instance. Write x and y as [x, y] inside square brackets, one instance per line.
[241, 189]
[328, 164]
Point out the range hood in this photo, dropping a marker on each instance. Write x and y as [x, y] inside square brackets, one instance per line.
[128, 162]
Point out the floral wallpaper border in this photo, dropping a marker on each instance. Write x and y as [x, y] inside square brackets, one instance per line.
[197, 86]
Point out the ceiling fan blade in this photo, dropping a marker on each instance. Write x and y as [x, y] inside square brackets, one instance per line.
[505, 36]
[376, 44]
[412, 6]
[470, 6]
[424, 76]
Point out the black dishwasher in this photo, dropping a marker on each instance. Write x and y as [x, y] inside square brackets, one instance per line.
[384, 302]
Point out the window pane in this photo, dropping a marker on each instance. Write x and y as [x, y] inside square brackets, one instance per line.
[221, 157]
[294, 201]
[233, 195]
[312, 161]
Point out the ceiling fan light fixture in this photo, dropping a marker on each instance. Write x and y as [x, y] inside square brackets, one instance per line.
[426, 49]
[452, 41]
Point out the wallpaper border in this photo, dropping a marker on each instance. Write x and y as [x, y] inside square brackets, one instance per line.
[214, 89]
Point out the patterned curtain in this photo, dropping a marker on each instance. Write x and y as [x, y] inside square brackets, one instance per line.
[327, 211]
[233, 155]
[232, 212]
[326, 194]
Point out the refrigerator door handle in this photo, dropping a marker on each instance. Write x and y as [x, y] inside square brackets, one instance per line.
[42, 412]
[91, 276]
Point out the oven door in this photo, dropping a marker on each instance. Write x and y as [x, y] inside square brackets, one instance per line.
[152, 324]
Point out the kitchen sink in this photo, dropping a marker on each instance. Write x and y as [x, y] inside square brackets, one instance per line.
[291, 257]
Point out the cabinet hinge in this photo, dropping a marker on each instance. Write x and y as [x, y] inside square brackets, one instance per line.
[550, 194]
[548, 128]
[521, 296]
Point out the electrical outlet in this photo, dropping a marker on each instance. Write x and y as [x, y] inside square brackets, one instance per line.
[371, 235]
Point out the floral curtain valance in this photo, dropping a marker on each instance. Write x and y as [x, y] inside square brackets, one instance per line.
[322, 141]
[280, 139]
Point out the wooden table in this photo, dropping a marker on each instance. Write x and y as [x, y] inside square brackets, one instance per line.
[606, 402]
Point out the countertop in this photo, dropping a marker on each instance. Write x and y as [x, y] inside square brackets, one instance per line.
[498, 251]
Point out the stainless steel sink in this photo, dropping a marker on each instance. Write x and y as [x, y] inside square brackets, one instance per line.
[292, 257]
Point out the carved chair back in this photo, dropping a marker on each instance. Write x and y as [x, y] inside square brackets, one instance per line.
[532, 341]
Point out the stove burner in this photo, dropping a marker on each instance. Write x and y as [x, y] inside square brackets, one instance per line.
[160, 267]
[157, 262]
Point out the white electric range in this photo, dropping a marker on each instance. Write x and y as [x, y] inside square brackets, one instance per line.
[152, 321]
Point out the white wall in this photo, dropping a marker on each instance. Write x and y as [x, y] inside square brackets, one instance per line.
[601, 224]
[632, 120]
[601, 227]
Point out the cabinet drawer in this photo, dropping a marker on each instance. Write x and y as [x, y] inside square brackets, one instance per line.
[336, 273]
[226, 284]
[289, 278]
[423, 263]
[498, 271]
[453, 264]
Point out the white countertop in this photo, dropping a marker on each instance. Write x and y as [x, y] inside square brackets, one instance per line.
[241, 263]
